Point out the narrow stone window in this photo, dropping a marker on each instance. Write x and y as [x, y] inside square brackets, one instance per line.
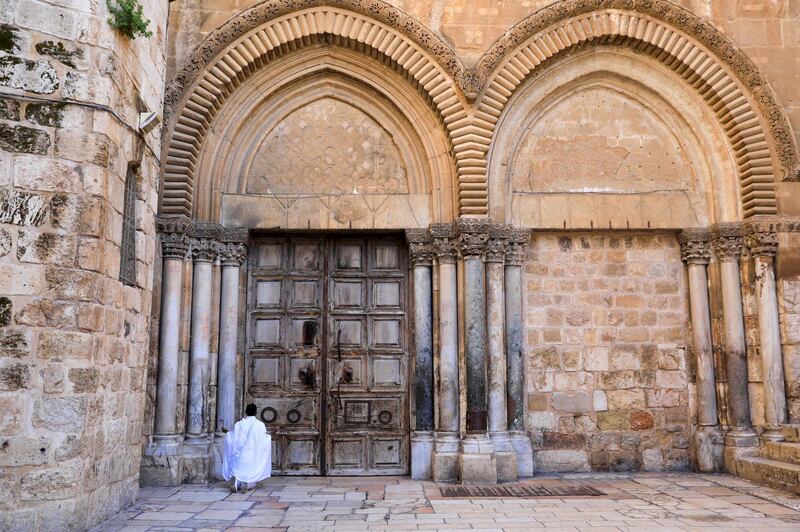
[127, 248]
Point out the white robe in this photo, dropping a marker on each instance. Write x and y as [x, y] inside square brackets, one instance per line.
[248, 451]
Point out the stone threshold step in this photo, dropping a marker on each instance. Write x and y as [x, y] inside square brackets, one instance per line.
[768, 472]
[788, 452]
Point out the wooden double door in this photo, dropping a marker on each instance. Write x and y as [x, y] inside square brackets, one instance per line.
[327, 352]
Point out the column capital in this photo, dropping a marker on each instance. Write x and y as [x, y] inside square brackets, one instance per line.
[233, 247]
[204, 243]
[515, 251]
[173, 230]
[473, 236]
[444, 242]
[420, 245]
[499, 235]
[695, 248]
[726, 238]
[760, 234]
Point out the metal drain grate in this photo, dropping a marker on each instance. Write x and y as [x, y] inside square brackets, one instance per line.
[520, 491]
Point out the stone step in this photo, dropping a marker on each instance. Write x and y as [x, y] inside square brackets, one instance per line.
[782, 451]
[791, 432]
[768, 472]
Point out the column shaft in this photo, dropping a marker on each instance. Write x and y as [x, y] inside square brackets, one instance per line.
[475, 343]
[167, 381]
[448, 356]
[701, 344]
[228, 333]
[423, 347]
[515, 330]
[498, 415]
[199, 355]
[770, 339]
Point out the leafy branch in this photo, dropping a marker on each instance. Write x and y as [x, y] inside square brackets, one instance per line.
[127, 16]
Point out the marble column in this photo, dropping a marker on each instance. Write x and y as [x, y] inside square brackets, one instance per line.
[727, 242]
[446, 447]
[233, 255]
[421, 250]
[763, 245]
[174, 248]
[504, 453]
[515, 341]
[706, 439]
[204, 249]
[478, 462]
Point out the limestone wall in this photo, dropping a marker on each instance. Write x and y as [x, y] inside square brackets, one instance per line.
[607, 371]
[73, 338]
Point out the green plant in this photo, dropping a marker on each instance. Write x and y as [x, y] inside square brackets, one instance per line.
[127, 17]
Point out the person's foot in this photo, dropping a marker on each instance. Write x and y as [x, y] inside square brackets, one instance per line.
[235, 487]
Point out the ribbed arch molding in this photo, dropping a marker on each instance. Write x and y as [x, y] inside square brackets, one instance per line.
[247, 42]
[513, 59]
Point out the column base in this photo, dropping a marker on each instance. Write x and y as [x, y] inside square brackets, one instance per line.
[741, 437]
[445, 457]
[773, 434]
[162, 463]
[196, 459]
[422, 455]
[521, 443]
[706, 449]
[477, 463]
[732, 454]
[505, 456]
[216, 450]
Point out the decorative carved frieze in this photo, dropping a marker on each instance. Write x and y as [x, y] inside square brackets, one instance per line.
[444, 242]
[726, 238]
[473, 237]
[515, 251]
[499, 235]
[173, 231]
[420, 245]
[695, 246]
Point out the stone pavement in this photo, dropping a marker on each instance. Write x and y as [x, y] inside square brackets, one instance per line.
[663, 501]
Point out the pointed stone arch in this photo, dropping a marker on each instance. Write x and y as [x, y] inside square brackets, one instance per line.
[260, 34]
[728, 81]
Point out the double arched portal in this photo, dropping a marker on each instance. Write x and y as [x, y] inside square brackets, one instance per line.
[296, 118]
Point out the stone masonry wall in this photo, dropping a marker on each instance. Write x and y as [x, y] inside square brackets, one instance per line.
[607, 381]
[73, 338]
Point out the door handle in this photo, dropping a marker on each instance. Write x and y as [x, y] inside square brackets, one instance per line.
[306, 376]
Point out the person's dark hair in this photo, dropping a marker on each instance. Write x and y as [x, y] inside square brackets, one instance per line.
[251, 410]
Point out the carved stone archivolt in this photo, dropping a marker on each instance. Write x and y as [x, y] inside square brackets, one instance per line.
[695, 246]
[646, 22]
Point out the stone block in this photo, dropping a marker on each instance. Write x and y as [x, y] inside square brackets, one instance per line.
[84, 379]
[45, 174]
[52, 483]
[445, 467]
[22, 208]
[15, 376]
[612, 420]
[55, 344]
[625, 399]
[15, 343]
[597, 359]
[652, 460]
[64, 283]
[46, 248]
[671, 379]
[561, 462]
[599, 401]
[9, 109]
[32, 76]
[64, 414]
[83, 147]
[641, 421]
[76, 214]
[576, 402]
[478, 468]
[24, 451]
[5, 241]
[12, 414]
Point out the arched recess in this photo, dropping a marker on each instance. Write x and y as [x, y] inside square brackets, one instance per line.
[249, 42]
[708, 63]
[323, 139]
[606, 138]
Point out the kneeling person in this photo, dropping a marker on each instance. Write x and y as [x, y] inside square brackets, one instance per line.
[248, 451]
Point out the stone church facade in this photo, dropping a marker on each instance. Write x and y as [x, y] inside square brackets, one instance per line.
[461, 241]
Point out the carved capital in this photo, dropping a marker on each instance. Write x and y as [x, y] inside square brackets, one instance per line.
[206, 230]
[515, 251]
[444, 242]
[695, 248]
[499, 235]
[473, 237]
[727, 241]
[761, 235]
[420, 245]
[204, 249]
[173, 229]
[232, 253]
